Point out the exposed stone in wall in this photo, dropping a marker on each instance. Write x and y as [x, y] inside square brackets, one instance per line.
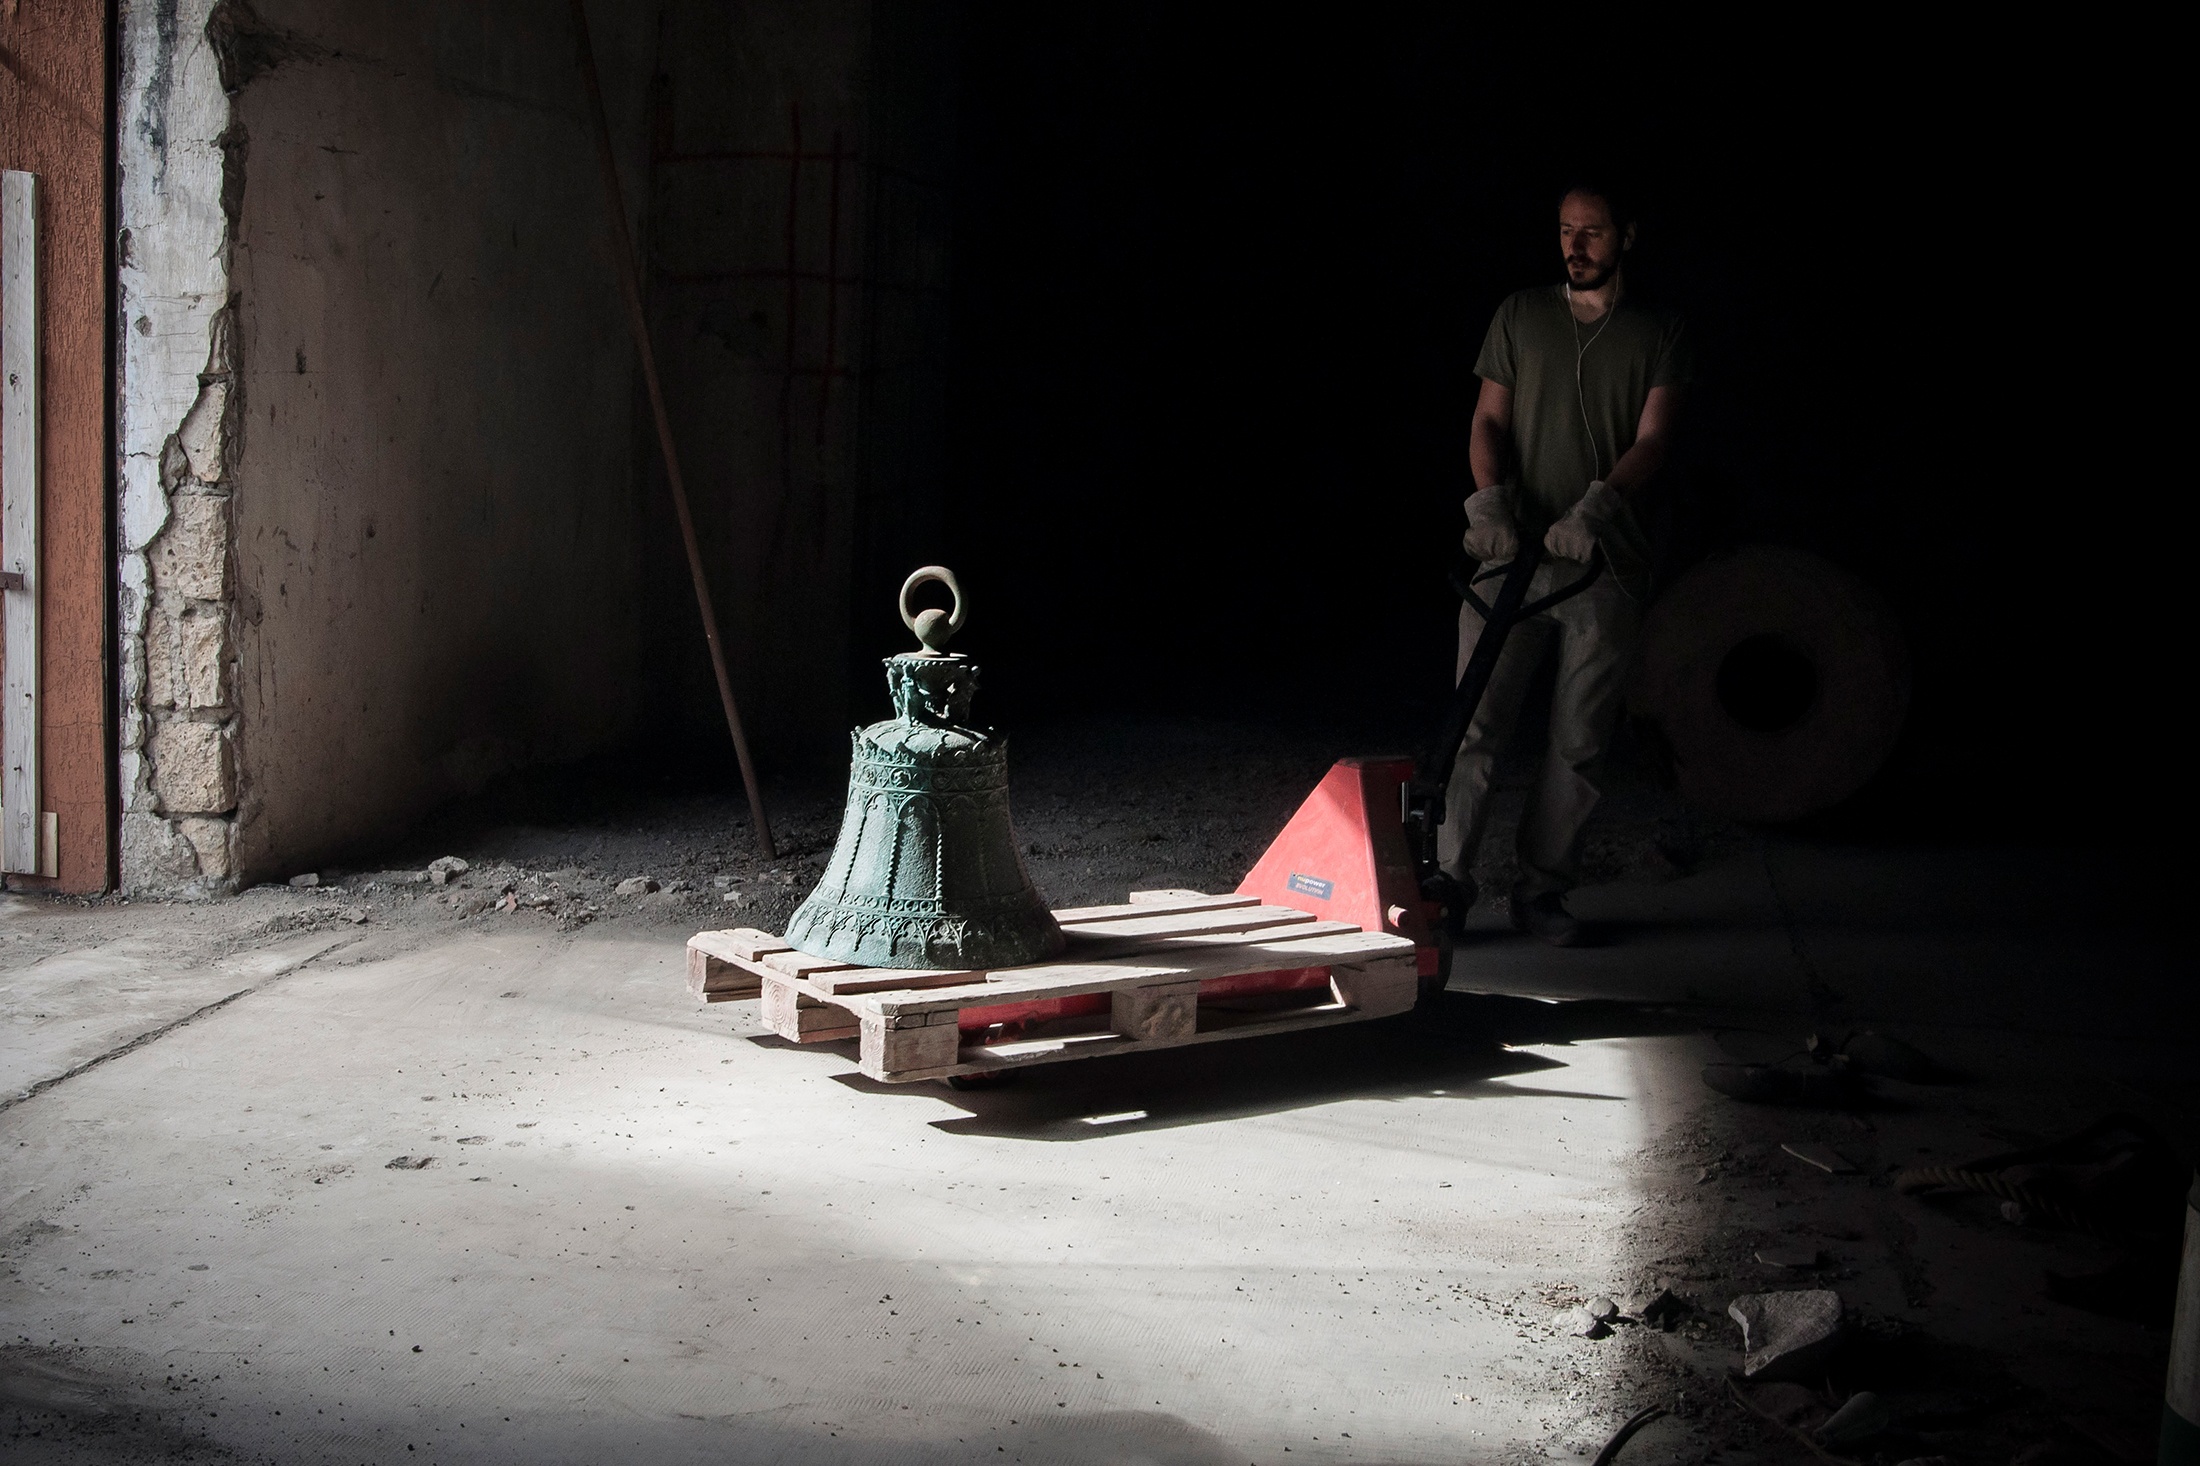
[179, 177]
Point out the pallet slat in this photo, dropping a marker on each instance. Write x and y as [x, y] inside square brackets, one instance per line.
[1160, 903]
[1073, 979]
[1141, 926]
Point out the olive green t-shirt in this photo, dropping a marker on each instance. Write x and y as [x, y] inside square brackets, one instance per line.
[1569, 435]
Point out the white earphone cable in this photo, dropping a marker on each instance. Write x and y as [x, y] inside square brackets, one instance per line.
[1581, 393]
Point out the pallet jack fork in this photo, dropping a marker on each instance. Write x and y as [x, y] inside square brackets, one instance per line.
[1362, 848]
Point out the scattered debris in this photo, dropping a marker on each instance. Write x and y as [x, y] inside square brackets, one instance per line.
[446, 869]
[1775, 1255]
[1824, 1157]
[1778, 1084]
[730, 896]
[1880, 1055]
[1861, 1417]
[1663, 1311]
[1621, 1436]
[408, 1163]
[637, 886]
[1786, 1334]
[307, 881]
[1581, 1323]
[2117, 1179]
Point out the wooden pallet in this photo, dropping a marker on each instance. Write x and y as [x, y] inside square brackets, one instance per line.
[1154, 973]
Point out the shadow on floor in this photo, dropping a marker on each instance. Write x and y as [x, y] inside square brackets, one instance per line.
[1453, 1047]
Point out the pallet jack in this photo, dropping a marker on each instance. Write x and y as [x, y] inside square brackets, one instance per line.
[1362, 848]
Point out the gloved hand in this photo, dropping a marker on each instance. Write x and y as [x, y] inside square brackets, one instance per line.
[1574, 537]
[1492, 534]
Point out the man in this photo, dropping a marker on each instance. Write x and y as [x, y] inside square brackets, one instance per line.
[1581, 385]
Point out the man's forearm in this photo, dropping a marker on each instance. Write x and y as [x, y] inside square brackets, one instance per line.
[1638, 465]
[1488, 446]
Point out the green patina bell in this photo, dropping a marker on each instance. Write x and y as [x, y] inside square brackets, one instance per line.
[926, 872]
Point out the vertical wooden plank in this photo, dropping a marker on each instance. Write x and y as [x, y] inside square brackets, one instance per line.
[19, 787]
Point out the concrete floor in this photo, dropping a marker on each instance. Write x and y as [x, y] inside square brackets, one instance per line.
[649, 1233]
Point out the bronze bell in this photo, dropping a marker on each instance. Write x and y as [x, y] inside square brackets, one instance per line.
[926, 871]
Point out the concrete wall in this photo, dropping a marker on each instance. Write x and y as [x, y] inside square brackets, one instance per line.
[394, 517]
[378, 436]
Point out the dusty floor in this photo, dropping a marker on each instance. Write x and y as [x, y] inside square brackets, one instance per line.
[645, 1232]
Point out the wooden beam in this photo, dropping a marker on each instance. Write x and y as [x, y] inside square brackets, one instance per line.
[20, 825]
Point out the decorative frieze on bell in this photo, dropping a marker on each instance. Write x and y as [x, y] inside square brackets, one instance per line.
[926, 871]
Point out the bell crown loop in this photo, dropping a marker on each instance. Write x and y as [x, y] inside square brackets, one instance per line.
[933, 628]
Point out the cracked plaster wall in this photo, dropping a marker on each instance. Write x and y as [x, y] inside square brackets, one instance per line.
[377, 529]
[174, 441]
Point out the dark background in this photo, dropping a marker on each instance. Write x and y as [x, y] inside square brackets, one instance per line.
[1219, 288]
[1219, 293]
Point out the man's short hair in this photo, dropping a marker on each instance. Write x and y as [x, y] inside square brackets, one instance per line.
[1617, 200]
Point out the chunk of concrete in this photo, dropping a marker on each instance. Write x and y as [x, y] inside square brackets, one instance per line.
[209, 839]
[637, 886]
[447, 868]
[191, 557]
[192, 772]
[201, 435]
[1787, 1335]
[155, 855]
[1581, 1323]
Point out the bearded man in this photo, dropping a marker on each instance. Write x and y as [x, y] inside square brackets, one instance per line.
[1581, 387]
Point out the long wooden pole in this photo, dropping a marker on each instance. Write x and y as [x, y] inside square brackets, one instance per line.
[630, 288]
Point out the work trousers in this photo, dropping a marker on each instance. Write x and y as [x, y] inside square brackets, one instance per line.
[1593, 635]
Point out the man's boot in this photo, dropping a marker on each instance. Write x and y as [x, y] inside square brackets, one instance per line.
[1546, 916]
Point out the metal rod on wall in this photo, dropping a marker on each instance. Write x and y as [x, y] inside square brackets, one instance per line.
[630, 288]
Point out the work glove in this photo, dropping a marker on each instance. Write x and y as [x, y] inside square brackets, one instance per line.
[1575, 535]
[1492, 535]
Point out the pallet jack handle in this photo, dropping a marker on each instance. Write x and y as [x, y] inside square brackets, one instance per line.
[1423, 796]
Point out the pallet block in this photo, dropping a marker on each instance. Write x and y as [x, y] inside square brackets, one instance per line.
[715, 970]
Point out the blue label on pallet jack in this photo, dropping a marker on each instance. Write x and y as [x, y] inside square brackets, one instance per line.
[1314, 886]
